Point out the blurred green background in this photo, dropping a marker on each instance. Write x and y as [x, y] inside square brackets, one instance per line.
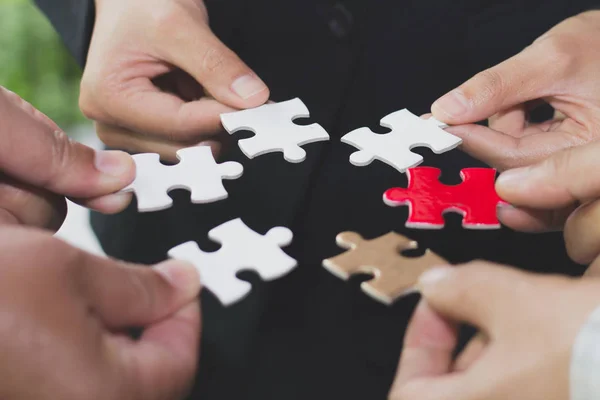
[35, 64]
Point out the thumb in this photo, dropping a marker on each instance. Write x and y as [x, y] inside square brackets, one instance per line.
[519, 79]
[218, 69]
[37, 153]
[478, 293]
[561, 180]
[428, 346]
[164, 361]
[128, 296]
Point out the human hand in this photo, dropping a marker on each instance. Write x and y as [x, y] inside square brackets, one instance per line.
[39, 165]
[561, 192]
[157, 78]
[531, 322]
[64, 314]
[559, 68]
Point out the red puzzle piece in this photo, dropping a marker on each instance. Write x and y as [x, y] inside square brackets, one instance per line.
[428, 199]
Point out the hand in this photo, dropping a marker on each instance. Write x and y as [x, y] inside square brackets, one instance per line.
[63, 317]
[531, 322]
[39, 165]
[157, 78]
[559, 68]
[561, 192]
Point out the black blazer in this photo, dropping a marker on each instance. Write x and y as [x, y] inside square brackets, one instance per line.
[309, 334]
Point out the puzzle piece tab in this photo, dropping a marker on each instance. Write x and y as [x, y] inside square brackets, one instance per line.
[394, 148]
[242, 249]
[394, 275]
[196, 171]
[428, 199]
[274, 129]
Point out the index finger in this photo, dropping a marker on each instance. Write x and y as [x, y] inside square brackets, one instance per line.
[34, 152]
[567, 177]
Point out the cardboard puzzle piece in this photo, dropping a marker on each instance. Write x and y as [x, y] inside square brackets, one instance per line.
[242, 249]
[275, 130]
[394, 275]
[394, 148]
[196, 171]
[428, 199]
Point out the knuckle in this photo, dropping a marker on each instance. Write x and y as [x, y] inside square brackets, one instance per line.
[61, 154]
[88, 103]
[146, 299]
[213, 60]
[560, 51]
[486, 85]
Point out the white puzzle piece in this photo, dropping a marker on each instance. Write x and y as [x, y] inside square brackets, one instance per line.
[242, 249]
[196, 171]
[275, 130]
[394, 148]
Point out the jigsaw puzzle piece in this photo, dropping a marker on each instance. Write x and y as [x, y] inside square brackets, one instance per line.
[428, 199]
[275, 130]
[149, 196]
[241, 249]
[394, 148]
[261, 253]
[394, 275]
[197, 172]
[215, 276]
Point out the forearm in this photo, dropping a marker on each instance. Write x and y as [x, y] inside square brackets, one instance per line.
[74, 21]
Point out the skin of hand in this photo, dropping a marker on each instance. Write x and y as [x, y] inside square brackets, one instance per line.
[157, 78]
[531, 322]
[561, 192]
[64, 314]
[559, 68]
[40, 165]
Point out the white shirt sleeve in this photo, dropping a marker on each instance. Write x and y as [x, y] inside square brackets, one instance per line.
[585, 361]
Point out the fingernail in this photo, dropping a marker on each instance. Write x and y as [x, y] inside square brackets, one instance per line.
[182, 275]
[248, 86]
[513, 179]
[453, 104]
[433, 276]
[115, 163]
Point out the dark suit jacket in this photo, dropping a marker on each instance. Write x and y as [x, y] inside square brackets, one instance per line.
[310, 334]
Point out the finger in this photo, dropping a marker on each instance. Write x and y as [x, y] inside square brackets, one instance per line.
[567, 177]
[156, 114]
[582, 233]
[471, 353]
[126, 296]
[593, 271]
[117, 137]
[27, 205]
[163, 363]
[454, 386]
[110, 204]
[534, 221]
[33, 153]
[503, 151]
[216, 67]
[511, 121]
[477, 293]
[524, 77]
[428, 346]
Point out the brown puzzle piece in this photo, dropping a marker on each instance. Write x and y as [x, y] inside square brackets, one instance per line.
[394, 274]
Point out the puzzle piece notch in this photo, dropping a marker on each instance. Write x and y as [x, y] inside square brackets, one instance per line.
[241, 249]
[197, 171]
[275, 130]
[428, 199]
[394, 275]
[394, 148]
